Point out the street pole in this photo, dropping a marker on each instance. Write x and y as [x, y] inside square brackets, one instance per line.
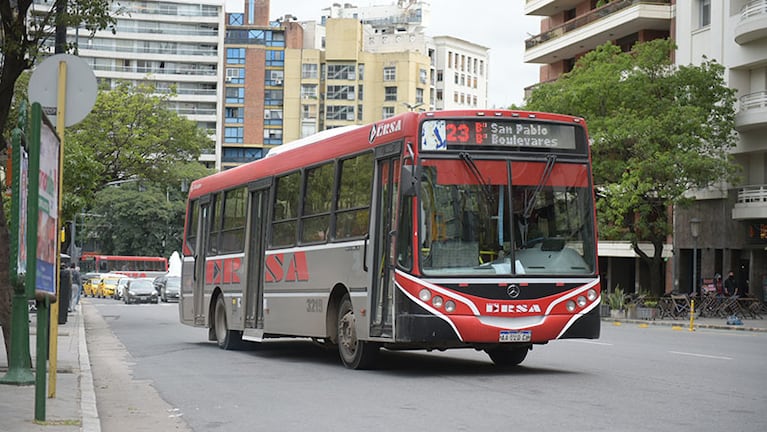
[19, 361]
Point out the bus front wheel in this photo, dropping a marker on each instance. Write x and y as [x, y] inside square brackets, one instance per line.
[227, 339]
[354, 353]
[507, 356]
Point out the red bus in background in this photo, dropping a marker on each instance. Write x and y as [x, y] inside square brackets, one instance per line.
[436, 230]
[132, 266]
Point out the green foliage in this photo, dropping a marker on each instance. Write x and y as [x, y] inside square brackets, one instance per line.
[617, 299]
[138, 219]
[129, 135]
[658, 130]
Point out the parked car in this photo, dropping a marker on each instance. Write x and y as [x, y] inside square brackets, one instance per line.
[168, 287]
[120, 289]
[108, 285]
[140, 291]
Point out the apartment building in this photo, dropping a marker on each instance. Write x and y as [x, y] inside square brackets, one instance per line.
[733, 217]
[570, 29]
[169, 43]
[352, 66]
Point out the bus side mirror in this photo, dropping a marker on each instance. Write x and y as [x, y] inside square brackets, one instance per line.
[410, 175]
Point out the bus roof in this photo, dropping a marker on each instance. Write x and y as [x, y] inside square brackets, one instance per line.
[322, 147]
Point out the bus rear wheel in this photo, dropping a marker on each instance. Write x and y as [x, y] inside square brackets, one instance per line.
[354, 353]
[227, 339]
[507, 356]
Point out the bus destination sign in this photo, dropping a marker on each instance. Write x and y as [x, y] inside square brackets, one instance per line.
[443, 134]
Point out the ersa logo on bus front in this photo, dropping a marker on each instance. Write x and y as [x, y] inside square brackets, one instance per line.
[381, 129]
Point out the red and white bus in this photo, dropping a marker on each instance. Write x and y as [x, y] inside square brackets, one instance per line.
[132, 266]
[435, 230]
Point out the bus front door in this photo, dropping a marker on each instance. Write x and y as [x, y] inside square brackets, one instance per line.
[382, 295]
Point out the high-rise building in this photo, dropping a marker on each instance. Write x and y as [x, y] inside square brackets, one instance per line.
[572, 28]
[287, 79]
[733, 217]
[169, 43]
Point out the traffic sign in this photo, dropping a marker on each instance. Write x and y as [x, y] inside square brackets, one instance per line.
[82, 88]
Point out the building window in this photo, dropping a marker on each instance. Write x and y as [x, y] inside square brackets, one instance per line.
[309, 112]
[419, 95]
[439, 95]
[233, 135]
[234, 114]
[340, 92]
[422, 76]
[235, 55]
[439, 76]
[341, 72]
[456, 80]
[340, 112]
[236, 19]
[704, 8]
[387, 112]
[309, 71]
[235, 75]
[390, 94]
[309, 91]
[275, 58]
[389, 73]
[235, 95]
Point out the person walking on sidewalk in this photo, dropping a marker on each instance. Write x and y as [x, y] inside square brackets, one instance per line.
[76, 286]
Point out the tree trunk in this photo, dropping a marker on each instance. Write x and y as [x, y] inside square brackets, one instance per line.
[5, 282]
[655, 265]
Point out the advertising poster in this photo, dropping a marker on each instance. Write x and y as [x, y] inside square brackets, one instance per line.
[48, 211]
[21, 262]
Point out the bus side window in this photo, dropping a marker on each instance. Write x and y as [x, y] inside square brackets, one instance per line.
[191, 232]
[355, 192]
[103, 267]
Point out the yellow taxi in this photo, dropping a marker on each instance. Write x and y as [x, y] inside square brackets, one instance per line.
[107, 285]
[91, 285]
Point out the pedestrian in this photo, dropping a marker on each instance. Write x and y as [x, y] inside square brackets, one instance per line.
[730, 285]
[718, 285]
[77, 285]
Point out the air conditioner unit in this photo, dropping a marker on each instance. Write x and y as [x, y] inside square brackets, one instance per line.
[228, 79]
[350, 95]
[267, 115]
[278, 82]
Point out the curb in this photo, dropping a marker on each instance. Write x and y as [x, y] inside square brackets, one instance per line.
[685, 324]
[88, 408]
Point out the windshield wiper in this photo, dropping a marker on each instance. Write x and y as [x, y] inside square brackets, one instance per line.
[486, 190]
[551, 159]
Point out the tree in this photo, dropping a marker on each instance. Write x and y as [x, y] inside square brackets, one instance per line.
[128, 161]
[139, 219]
[658, 131]
[22, 41]
[130, 135]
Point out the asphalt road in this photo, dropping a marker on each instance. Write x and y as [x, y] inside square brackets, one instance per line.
[631, 379]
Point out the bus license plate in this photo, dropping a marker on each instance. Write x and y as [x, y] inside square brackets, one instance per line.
[515, 336]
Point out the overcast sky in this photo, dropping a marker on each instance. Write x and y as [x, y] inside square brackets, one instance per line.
[500, 25]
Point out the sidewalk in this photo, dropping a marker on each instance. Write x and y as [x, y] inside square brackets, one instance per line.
[756, 325]
[74, 407]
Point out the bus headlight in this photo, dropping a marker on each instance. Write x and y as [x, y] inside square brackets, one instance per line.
[424, 295]
[437, 301]
[570, 306]
[591, 294]
[581, 301]
[449, 306]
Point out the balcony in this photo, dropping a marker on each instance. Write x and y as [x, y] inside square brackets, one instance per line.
[549, 7]
[753, 22]
[751, 204]
[611, 22]
[752, 113]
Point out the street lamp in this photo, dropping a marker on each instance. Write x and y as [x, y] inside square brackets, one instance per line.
[695, 232]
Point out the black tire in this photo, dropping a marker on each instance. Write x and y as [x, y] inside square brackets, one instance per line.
[508, 356]
[226, 339]
[354, 353]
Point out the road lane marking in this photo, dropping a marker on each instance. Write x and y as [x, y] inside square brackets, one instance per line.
[589, 342]
[701, 355]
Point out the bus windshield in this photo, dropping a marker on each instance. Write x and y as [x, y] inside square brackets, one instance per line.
[480, 216]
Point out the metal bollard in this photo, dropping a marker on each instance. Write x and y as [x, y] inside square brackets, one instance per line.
[692, 315]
